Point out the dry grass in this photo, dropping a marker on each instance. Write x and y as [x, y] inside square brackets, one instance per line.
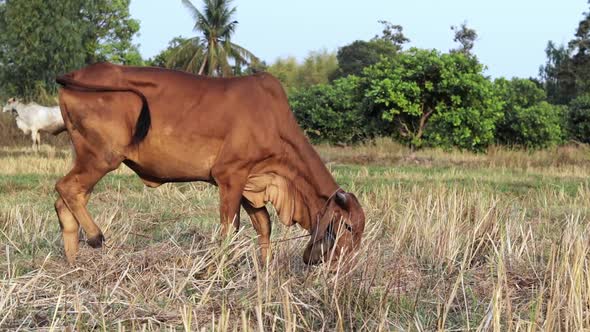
[454, 241]
[386, 152]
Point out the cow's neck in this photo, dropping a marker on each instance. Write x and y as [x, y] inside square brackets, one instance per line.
[312, 178]
[21, 109]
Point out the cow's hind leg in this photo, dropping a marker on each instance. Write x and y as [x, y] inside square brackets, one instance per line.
[74, 190]
[38, 140]
[69, 229]
[261, 222]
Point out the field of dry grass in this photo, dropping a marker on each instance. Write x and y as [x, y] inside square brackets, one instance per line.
[454, 241]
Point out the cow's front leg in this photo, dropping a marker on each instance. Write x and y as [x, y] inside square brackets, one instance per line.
[231, 186]
[261, 222]
[38, 139]
[34, 139]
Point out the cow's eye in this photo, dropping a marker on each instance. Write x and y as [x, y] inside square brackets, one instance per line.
[348, 227]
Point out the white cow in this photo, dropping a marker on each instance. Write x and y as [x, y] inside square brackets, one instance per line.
[32, 118]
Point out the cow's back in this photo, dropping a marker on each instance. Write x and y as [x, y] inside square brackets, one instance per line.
[195, 122]
[199, 115]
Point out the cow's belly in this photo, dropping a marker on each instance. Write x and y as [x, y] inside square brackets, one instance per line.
[159, 163]
[54, 128]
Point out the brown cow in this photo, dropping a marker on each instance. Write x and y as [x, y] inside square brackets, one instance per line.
[237, 133]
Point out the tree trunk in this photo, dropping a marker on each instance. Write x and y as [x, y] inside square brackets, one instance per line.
[422, 124]
[203, 64]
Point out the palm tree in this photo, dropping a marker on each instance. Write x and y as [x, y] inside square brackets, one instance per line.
[184, 54]
[214, 49]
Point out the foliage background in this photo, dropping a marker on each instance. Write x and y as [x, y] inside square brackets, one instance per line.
[364, 90]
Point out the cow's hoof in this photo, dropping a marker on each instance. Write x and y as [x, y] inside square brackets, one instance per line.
[95, 241]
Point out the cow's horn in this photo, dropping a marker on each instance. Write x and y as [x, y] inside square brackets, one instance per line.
[341, 199]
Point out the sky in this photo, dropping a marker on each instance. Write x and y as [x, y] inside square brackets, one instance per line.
[512, 38]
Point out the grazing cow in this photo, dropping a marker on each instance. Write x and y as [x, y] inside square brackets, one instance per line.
[32, 118]
[237, 133]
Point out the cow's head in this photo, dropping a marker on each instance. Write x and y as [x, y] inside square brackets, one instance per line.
[10, 105]
[338, 230]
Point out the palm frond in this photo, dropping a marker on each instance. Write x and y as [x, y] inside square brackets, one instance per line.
[215, 21]
[192, 9]
[187, 55]
[243, 53]
[228, 30]
[194, 64]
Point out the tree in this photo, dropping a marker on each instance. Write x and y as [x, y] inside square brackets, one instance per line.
[316, 68]
[354, 57]
[181, 54]
[217, 26]
[580, 59]
[578, 119]
[528, 119]
[465, 36]
[41, 39]
[566, 74]
[286, 70]
[427, 97]
[558, 75]
[109, 32]
[392, 33]
[330, 112]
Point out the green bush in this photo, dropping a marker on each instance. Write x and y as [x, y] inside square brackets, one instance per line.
[427, 98]
[528, 119]
[578, 119]
[431, 98]
[330, 112]
[538, 126]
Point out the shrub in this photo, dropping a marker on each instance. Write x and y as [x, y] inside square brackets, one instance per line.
[431, 98]
[330, 112]
[578, 119]
[528, 119]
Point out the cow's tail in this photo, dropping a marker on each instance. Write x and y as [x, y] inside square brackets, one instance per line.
[142, 126]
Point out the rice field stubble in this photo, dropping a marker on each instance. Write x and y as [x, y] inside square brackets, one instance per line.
[453, 241]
